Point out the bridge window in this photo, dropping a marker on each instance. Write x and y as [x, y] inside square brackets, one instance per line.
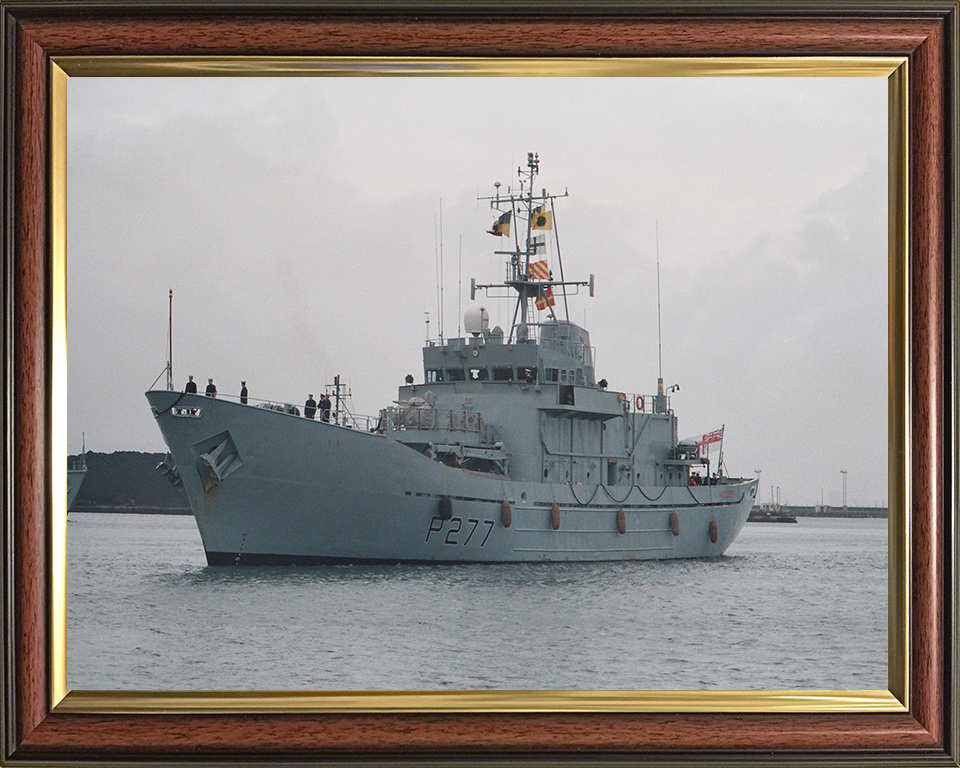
[434, 376]
[478, 374]
[502, 374]
[454, 374]
[551, 375]
[566, 395]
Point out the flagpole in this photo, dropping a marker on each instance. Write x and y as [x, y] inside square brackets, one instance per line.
[720, 457]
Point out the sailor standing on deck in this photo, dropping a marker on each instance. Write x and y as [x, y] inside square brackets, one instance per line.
[325, 408]
[243, 392]
[310, 407]
[211, 389]
[191, 386]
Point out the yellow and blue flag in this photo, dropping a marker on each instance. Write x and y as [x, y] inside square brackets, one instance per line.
[501, 226]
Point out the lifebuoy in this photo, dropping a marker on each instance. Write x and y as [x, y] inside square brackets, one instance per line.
[639, 402]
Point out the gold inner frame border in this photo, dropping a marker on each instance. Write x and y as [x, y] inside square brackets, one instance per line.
[895, 699]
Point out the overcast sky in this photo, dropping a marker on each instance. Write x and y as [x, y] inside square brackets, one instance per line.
[297, 219]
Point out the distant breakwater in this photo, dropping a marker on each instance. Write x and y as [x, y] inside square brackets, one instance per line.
[127, 482]
[825, 511]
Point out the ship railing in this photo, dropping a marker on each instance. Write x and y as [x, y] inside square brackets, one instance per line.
[342, 418]
[641, 403]
[425, 418]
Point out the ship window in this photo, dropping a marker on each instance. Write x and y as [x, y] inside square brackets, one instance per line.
[434, 376]
[528, 375]
[566, 395]
[502, 374]
[454, 374]
[551, 374]
[478, 374]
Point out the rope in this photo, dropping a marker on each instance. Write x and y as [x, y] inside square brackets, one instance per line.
[160, 413]
[648, 498]
[574, 494]
[618, 501]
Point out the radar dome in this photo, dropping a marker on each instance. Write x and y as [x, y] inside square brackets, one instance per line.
[476, 320]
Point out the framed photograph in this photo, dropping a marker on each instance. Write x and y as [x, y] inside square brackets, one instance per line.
[424, 47]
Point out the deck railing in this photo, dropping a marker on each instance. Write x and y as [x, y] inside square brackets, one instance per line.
[342, 418]
[423, 418]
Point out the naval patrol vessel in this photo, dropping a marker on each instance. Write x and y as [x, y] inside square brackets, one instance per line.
[507, 450]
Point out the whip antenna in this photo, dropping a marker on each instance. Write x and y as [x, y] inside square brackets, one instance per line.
[659, 324]
[660, 403]
[460, 287]
[440, 309]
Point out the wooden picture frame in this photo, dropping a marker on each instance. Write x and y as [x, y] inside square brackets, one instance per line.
[39, 728]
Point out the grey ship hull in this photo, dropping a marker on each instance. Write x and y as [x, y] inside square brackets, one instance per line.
[272, 488]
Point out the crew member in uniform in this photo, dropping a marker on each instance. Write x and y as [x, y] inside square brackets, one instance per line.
[310, 407]
[325, 408]
[191, 386]
[211, 389]
[243, 392]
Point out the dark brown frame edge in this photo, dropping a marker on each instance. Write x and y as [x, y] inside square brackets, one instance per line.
[926, 32]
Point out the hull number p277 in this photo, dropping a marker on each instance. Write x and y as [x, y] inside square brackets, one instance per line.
[458, 530]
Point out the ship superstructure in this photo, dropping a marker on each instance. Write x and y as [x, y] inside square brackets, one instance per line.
[507, 450]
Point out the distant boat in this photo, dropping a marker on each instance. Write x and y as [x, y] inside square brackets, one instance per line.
[508, 450]
[769, 515]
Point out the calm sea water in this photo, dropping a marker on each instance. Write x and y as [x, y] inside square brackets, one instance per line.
[789, 607]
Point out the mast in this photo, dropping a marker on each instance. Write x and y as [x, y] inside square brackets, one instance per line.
[170, 344]
[520, 277]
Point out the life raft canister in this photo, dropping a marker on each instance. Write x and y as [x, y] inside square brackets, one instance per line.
[506, 514]
[675, 524]
[713, 531]
[445, 507]
[621, 521]
[555, 516]
[639, 402]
